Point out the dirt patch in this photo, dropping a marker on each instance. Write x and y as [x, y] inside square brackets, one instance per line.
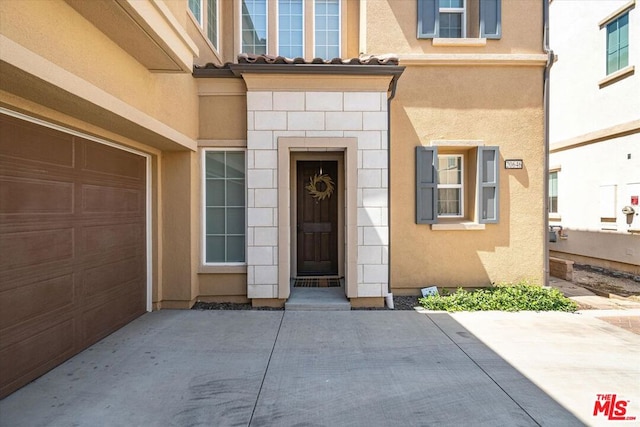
[603, 282]
[399, 302]
[230, 306]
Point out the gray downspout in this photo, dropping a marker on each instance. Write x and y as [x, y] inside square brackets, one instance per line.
[547, 70]
[392, 88]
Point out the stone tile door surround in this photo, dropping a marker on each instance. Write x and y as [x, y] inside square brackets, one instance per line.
[294, 120]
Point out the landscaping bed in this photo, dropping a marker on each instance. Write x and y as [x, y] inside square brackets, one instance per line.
[503, 297]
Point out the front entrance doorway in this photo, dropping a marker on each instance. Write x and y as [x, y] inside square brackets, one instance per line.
[317, 199]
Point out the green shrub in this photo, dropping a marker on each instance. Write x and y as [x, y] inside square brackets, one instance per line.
[503, 297]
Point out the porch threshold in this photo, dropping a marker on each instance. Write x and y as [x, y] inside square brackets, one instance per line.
[317, 299]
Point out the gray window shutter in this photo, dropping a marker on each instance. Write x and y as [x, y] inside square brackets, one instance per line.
[428, 19]
[490, 17]
[426, 185]
[488, 185]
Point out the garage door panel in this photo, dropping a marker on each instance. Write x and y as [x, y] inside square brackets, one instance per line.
[30, 301]
[32, 248]
[102, 199]
[20, 277]
[112, 161]
[98, 239]
[102, 278]
[35, 144]
[31, 196]
[73, 244]
[98, 321]
[31, 357]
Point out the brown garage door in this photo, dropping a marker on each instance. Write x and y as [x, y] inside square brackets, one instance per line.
[72, 246]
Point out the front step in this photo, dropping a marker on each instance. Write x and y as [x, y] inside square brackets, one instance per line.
[317, 299]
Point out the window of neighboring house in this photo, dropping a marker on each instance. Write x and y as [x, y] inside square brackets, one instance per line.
[440, 185]
[459, 19]
[450, 185]
[208, 21]
[618, 44]
[290, 28]
[224, 206]
[553, 192]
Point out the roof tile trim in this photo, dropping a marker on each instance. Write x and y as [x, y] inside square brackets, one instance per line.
[248, 58]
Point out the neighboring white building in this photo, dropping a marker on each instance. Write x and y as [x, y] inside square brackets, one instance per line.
[595, 132]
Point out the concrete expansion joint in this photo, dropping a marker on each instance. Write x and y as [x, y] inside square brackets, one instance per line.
[275, 341]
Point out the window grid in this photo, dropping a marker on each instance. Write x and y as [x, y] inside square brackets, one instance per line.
[291, 28]
[450, 186]
[453, 20]
[553, 192]
[254, 26]
[196, 8]
[225, 206]
[212, 22]
[327, 29]
[618, 44]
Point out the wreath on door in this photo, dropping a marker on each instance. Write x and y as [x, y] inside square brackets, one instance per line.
[315, 185]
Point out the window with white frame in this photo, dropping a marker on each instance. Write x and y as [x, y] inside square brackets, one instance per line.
[452, 18]
[618, 43]
[440, 185]
[195, 6]
[459, 19]
[450, 185]
[327, 28]
[224, 207]
[290, 28]
[293, 29]
[206, 14]
[553, 192]
[254, 26]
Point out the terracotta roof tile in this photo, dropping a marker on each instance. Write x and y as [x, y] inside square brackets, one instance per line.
[247, 58]
[382, 64]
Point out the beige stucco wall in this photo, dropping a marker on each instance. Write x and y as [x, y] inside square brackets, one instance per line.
[223, 117]
[223, 124]
[392, 27]
[495, 105]
[79, 48]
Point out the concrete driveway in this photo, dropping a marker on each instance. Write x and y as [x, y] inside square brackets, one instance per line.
[354, 368]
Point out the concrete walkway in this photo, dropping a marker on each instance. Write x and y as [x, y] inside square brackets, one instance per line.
[339, 368]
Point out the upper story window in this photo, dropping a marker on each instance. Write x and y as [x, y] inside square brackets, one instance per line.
[459, 19]
[254, 26]
[290, 28]
[452, 18]
[327, 28]
[295, 32]
[206, 13]
[618, 44]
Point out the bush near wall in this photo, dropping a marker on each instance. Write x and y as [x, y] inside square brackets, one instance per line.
[502, 297]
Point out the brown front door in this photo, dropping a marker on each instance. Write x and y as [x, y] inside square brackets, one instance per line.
[317, 218]
[72, 246]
